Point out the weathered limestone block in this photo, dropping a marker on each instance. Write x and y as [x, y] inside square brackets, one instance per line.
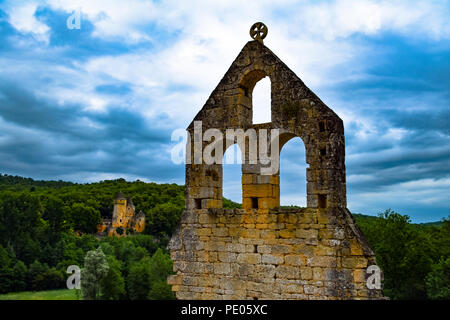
[301, 270]
[263, 251]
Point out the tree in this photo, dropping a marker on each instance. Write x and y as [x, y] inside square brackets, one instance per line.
[72, 253]
[27, 248]
[160, 268]
[139, 280]
[160, 290]
[57, 215]
[52, 254]
[19, 273]
[163, 218]
[37, 220]
[112, 286]
[86, 242]
[229, 204]
[403, 253]
[21, 224]
[95, 269]
[438, 280]
[85, 218]
[107, 249]
[6, 273]
[145, 241]
[6, 280]
[5, 257]
[35, 275]
[160, 265]
[55, 279]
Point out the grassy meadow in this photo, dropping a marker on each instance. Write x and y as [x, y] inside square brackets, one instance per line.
[64, 294]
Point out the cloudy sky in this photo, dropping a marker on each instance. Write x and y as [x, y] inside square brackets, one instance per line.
[101, 102]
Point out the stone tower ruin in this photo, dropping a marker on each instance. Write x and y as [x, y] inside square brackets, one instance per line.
[263, 251]
[124, 217]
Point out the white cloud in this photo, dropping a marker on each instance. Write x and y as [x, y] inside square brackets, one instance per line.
[425, 184]
[23, 19]
[113, 18]
[310, 39]
[421, 193]
[337, 19]
[307, 41]
[176, 76]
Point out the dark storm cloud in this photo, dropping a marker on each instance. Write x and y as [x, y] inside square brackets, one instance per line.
[42, 138]
[398, 96]
[421, 121]
[79, 43]
[400, 129]
[417, 155]
[53, 138]
[23, 108]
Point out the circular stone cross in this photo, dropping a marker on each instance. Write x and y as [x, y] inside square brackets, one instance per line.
[258, 31]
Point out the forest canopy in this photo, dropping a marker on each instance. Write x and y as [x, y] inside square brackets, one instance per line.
[45, 226]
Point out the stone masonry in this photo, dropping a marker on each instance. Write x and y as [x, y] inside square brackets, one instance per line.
[124, 217]
[263, 251]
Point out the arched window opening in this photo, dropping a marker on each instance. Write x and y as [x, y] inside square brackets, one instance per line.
[261, 101]
[293, 174]
[232, 176]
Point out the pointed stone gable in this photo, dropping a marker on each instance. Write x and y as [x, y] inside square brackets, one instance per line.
[262, 250]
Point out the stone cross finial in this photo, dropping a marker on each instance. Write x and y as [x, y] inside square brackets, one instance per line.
[258, 31]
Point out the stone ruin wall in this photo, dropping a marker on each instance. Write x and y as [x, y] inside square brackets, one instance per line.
[263, 251]
[124, 216]
[279, 254]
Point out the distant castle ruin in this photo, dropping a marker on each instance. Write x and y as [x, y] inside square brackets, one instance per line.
[124, 218]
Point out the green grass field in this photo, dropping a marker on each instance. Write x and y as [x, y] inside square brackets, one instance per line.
[41, 295]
